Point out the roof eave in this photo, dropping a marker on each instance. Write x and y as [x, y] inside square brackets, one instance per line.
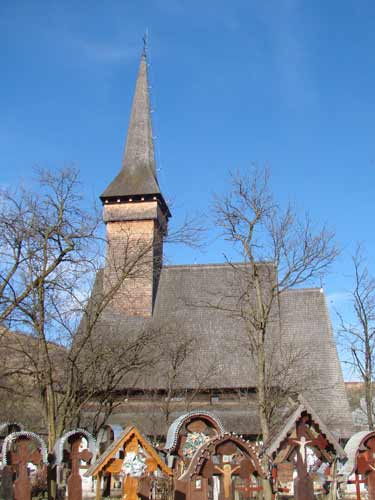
[137, 198]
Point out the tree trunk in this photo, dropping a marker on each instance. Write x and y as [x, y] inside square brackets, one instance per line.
[368, 398]
[262, 396]
[51, 417]
[262, 401]
[51, 421]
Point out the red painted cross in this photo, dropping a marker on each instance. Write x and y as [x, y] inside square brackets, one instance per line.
[366, 466]
[74, 480]
[21, 457]
[366, 459]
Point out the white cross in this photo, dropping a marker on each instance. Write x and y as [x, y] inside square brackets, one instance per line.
[302, 447]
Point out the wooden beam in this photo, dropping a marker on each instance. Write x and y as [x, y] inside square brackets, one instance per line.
[98, 488]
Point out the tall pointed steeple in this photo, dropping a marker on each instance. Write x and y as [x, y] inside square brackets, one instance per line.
[137, 177]
[136, 214]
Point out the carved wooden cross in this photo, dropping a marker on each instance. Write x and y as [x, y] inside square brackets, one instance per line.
[319, 443]
[74, 480]
[227, 473]
[304, 489]
[303, 486]
[302, 446]
[21, 457]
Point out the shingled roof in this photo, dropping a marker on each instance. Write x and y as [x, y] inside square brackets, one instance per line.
[221, 359]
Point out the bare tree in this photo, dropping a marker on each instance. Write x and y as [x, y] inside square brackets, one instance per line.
[278, 251]
[54, 290]
[359, 334]
[39, 233]
[51, 255]
[17, 385]
[45, 238]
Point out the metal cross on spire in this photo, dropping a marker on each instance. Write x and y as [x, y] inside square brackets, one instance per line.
[145, 43]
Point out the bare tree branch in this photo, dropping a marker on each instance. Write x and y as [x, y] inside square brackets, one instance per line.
[359, 337]
[278, 251]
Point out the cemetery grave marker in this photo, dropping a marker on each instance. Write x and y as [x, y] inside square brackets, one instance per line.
[19, 450]
[302, 445]
[132, 456]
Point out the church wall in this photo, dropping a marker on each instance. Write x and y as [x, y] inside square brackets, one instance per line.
[145, 210]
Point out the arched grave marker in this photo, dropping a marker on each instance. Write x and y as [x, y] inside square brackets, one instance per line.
[186, 434]
[68, 448]
[20, 449]
[223, 465]
[360, 450]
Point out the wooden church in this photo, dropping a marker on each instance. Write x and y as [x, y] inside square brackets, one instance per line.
[202, 362]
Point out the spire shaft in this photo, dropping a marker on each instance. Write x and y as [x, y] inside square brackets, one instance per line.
[137, 176]
[139, 150]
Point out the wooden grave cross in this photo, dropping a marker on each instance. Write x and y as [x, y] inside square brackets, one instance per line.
[304, 489]
[21, 457]
[74, 480]
[227, 471]
[302, 443]
[366, 465]
[131, 483]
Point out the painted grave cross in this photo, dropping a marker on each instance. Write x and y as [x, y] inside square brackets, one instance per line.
[300, 446]
[21, 457]
[132, 457]
[300, 443]
[223, 456]
[76, 455]
[227, 471]
[366, 465]
[304, 483]
[133, 467]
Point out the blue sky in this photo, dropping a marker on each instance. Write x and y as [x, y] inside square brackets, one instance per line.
[287, 83]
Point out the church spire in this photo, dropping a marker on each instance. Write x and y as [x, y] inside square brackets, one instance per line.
[137, 177]
[135, 214]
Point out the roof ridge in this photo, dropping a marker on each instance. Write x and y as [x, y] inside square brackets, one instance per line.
[215, 264]
[307, 289]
